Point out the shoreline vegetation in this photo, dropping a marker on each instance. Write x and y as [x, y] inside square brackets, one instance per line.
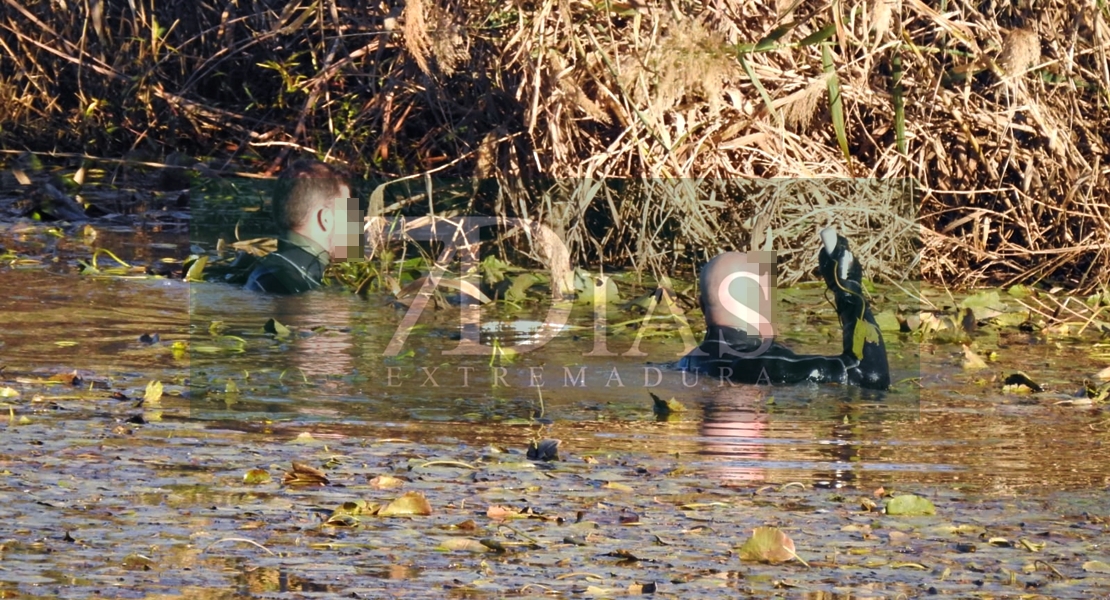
[664, 132]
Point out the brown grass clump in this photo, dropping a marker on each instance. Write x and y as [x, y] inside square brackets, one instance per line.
[651, 134]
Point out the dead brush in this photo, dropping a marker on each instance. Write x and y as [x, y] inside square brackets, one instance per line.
[651, 135]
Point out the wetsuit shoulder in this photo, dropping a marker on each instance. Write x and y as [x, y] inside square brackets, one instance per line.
[277, 273]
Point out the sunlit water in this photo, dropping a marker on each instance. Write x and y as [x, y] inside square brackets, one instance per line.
[107, 497]
[332, 375]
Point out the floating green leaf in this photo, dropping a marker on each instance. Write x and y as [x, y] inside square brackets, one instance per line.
[769, 545]
[493, 269]
[909, 505]
[347, 514]
[276, 328]
[153, 394]
[985, 305]
[888, 321]
[196, 270]
[517, 292]
[257, 477]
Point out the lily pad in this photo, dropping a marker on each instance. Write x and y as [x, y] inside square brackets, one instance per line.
[462, 544]
[985, 304]
[257, 477]
[409, 504]
[1096, 566]
[769, 545]
[888, 321]
[909, 505]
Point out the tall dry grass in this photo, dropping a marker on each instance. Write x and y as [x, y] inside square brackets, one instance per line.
[997, 111]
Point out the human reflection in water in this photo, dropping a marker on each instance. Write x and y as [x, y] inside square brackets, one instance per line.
[749, 437]
[324, 346]
[736, 423]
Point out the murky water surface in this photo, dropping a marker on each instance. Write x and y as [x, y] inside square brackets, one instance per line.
[105, 497]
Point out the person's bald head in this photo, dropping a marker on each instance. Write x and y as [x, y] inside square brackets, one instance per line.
[735, 291]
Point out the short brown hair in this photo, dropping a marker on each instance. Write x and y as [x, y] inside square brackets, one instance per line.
[303, 186]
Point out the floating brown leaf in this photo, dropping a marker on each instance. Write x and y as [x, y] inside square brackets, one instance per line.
[499, 512]
[304, 475]
[409, 504]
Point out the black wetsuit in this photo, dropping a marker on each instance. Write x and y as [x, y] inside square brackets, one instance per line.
[297, 266]
[863, 361]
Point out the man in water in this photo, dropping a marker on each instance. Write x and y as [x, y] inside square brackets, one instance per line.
[730, 352]
[313, 213]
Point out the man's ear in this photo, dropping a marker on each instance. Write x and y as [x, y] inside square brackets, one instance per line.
[324, 218]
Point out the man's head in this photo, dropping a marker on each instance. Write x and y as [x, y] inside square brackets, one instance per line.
[311, 199]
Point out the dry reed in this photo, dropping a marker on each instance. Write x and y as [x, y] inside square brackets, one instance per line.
[997, 112]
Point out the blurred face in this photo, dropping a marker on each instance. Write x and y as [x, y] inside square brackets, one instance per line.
[345, 238]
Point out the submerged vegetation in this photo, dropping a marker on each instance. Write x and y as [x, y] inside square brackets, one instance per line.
[996, 111]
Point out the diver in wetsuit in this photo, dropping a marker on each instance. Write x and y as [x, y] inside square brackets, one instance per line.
[307, 220]
[731, 353]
